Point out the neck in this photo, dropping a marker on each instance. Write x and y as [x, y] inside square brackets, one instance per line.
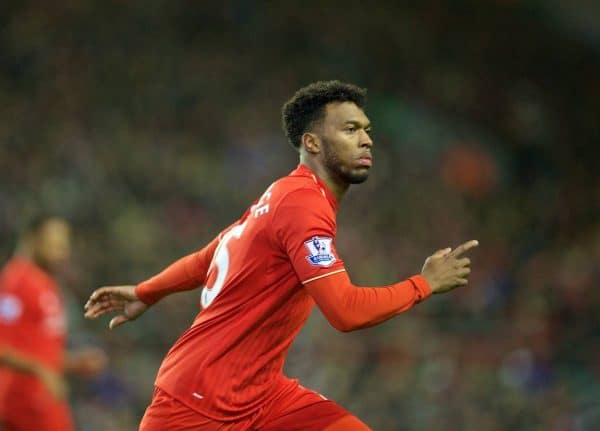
[337, 187]
[24, 249]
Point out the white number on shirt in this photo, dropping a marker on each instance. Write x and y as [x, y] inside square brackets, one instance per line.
[221, 261]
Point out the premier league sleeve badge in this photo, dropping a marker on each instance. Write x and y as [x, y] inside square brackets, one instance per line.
[319, 249]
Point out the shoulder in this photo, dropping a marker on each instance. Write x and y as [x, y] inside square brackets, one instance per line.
[299, 192]
[302, 207]
[16, 274]
[20, 289]
[25, 277]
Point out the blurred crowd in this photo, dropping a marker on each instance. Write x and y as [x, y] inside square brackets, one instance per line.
[152, 125]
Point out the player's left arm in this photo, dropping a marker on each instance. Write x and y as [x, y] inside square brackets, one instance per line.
[304, 227]
[348, 307]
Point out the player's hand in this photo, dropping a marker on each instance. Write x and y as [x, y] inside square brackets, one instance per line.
[446, 269]
[54, 382]
[86, 361]
[115, 298]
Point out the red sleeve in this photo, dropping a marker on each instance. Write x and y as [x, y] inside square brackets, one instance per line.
[304, 228]
[348, 307]
[187, 273]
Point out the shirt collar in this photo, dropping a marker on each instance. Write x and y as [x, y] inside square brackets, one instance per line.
[304, 171]
[31, 266]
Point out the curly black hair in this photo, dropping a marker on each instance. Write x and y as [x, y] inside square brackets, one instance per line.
[306, 107]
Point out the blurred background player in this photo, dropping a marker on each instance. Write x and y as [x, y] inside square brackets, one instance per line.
[33, 360]
[263, 276]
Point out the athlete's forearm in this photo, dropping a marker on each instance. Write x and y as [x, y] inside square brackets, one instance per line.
[21, 363]
[348, 307]
[15, 360]
[187, 273]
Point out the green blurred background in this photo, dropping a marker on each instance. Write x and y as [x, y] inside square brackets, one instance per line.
[151, 125]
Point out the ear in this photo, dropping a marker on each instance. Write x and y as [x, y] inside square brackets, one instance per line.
[311, 143]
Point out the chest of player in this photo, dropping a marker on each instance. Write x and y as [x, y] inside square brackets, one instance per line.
[38, 311]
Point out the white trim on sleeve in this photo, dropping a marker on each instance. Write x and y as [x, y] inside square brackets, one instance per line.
[323, 275]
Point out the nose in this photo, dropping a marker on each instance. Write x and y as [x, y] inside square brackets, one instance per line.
[365, 139]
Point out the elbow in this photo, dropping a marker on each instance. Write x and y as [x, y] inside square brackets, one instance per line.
[343, 324]
[347, 328]
[343, 318]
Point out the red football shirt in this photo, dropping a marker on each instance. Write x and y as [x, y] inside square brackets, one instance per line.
[32, 322]
[230, 361]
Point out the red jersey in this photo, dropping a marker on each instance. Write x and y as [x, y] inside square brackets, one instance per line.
[229, 362]
[32, 322]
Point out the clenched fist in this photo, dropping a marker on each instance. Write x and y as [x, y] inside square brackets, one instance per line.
[446, 269]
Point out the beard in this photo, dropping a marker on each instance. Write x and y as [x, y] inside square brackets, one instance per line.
[340, 170]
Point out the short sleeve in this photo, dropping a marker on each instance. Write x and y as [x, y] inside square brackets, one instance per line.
[304, 228]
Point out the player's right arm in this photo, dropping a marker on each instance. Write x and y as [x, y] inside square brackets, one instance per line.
[131, 301]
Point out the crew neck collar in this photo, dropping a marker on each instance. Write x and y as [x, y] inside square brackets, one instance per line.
[304, 171]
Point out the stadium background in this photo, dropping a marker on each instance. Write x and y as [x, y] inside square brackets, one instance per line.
[153, 124]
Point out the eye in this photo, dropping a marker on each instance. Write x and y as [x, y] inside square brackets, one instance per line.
[350, 129]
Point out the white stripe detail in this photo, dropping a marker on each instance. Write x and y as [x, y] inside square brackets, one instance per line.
[314, 392]
[324, 275]
[197, 395]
